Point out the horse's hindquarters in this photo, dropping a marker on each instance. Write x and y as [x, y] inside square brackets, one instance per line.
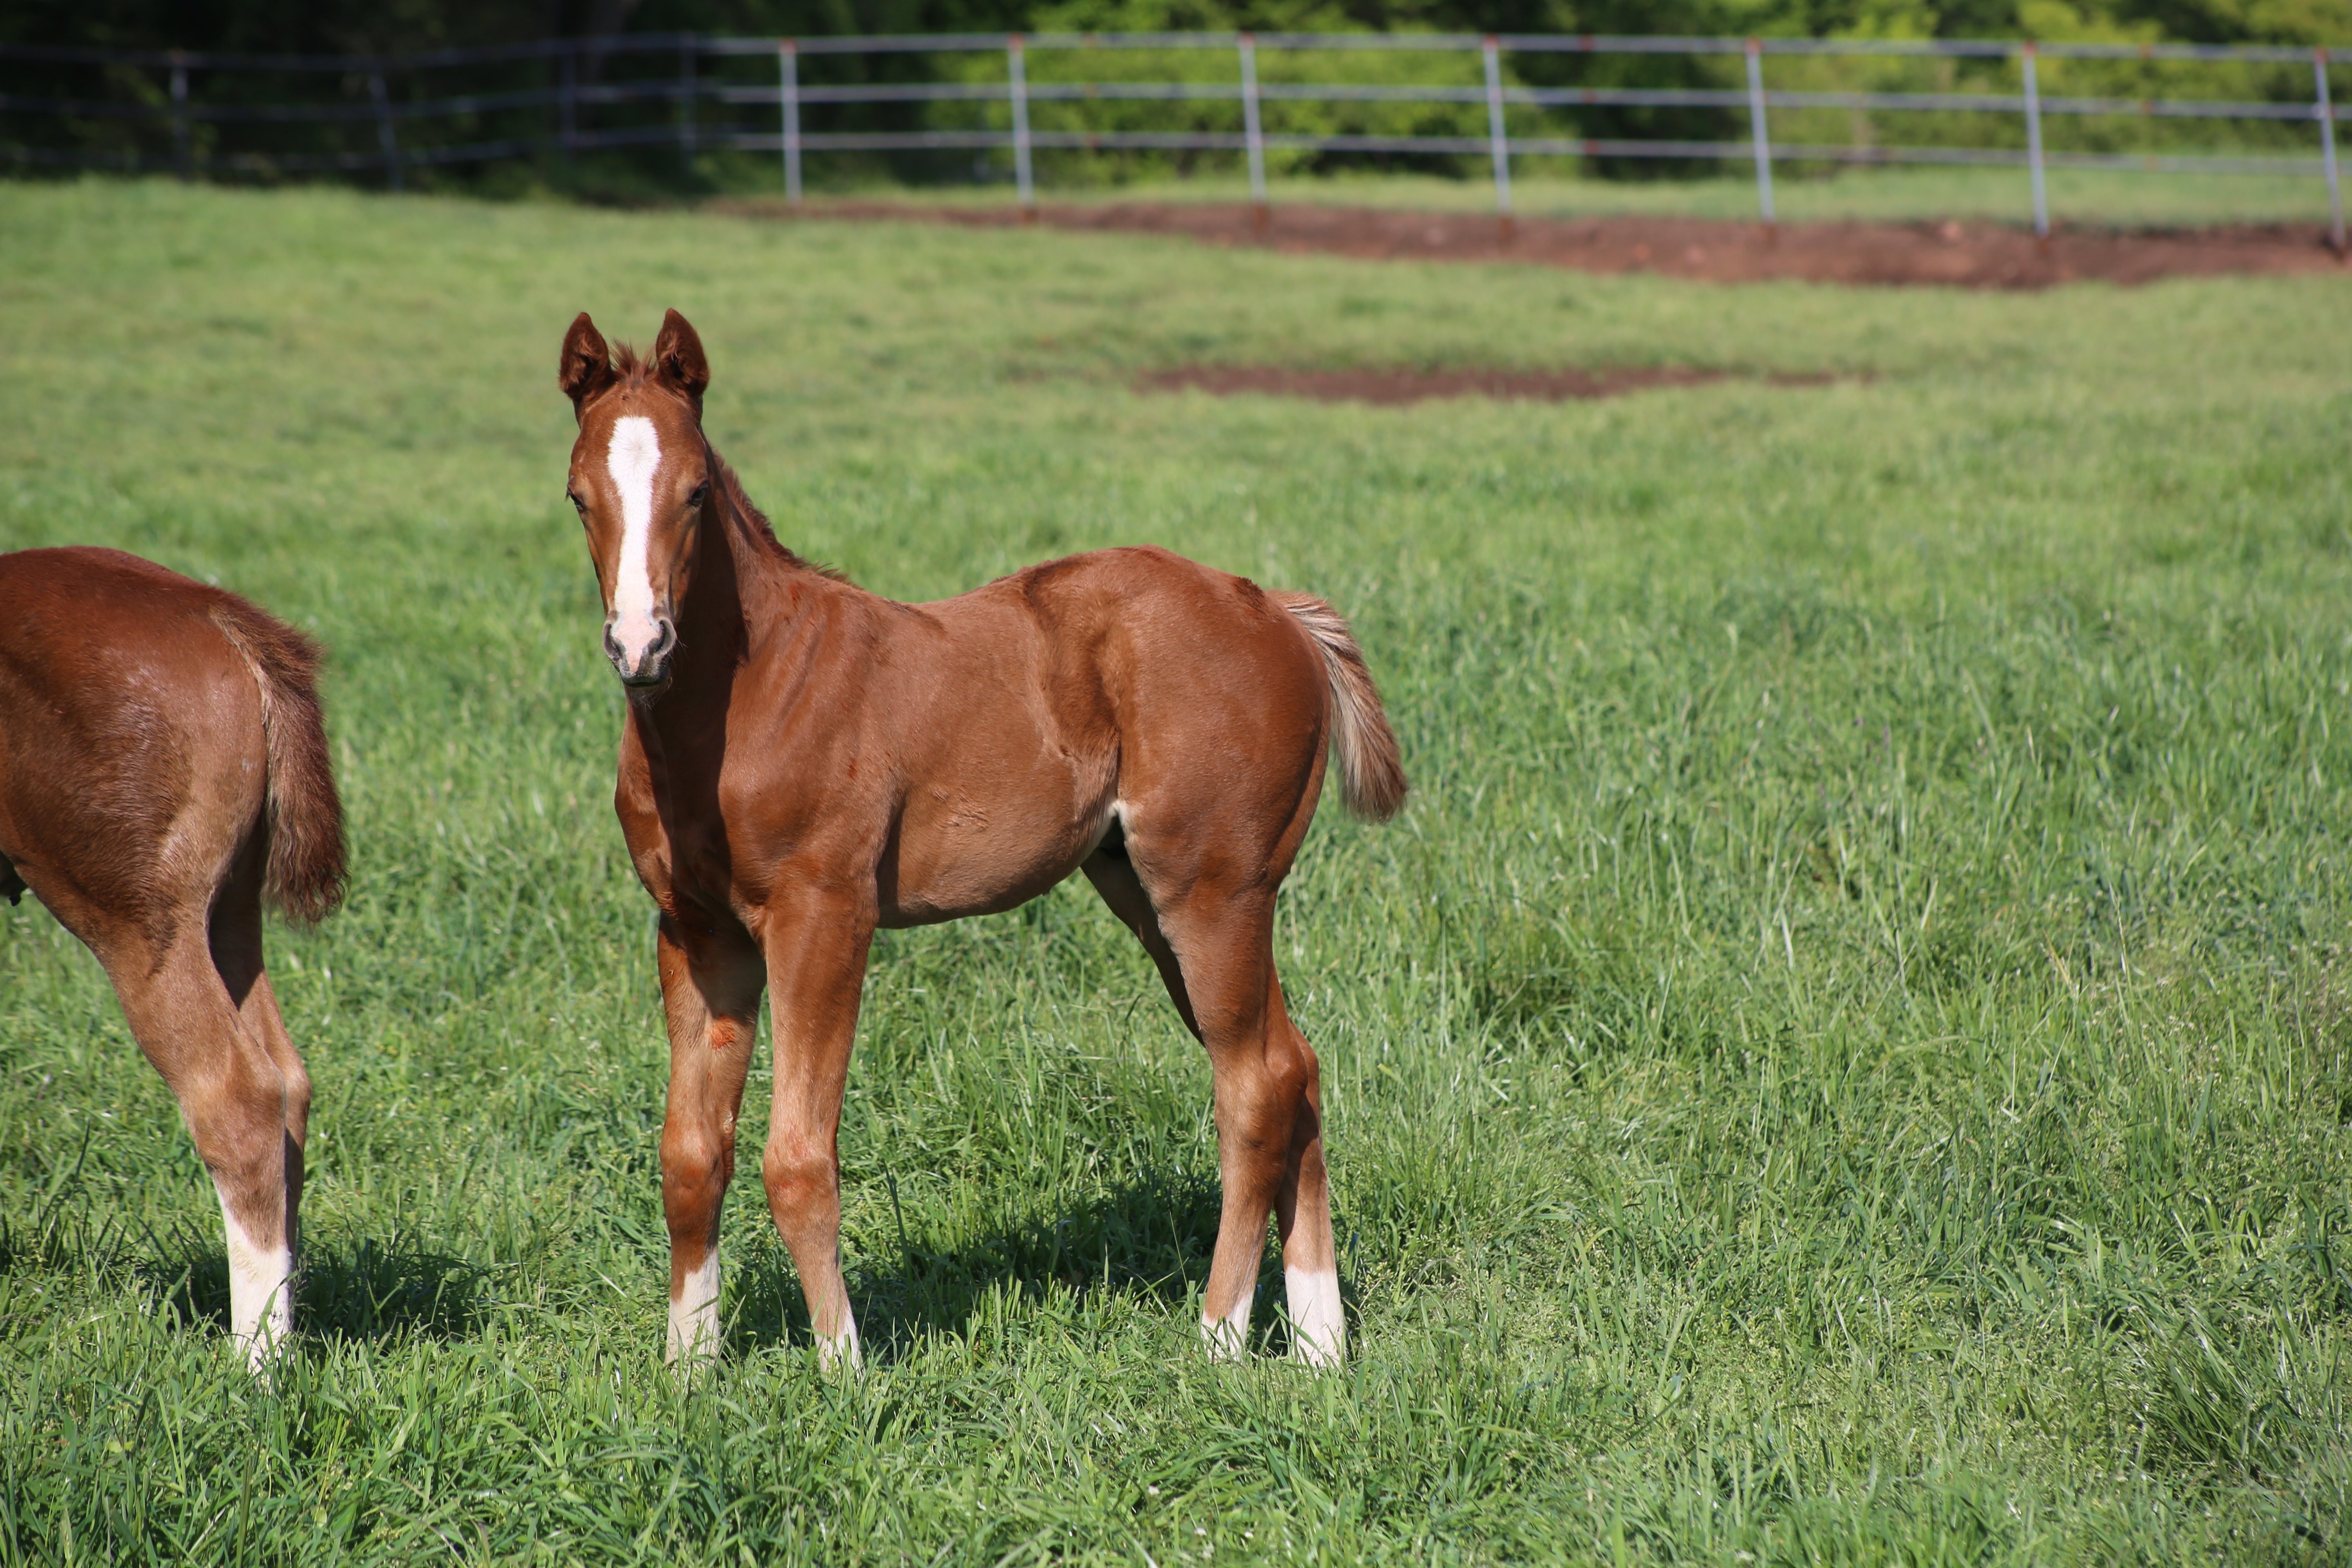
[134, 783]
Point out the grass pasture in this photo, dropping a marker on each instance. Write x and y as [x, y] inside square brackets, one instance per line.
[1846, 1059]
[2081, 198]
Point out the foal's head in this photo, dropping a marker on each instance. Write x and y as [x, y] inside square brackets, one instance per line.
[641, 477]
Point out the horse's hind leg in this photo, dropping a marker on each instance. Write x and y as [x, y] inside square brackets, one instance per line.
[1216, 955]
[233, 1099]
[237, 959]
[1302, 1209]
[1114, 878]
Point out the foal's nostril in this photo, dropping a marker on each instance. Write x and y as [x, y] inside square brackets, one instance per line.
[648, 665]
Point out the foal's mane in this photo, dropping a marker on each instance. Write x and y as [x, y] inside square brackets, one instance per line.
[632, 370]
[755, 523]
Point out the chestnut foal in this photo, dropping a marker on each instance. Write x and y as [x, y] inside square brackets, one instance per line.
[162, 770]
[804, 761]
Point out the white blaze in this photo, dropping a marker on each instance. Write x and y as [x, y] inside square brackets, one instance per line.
[260, 1292]
[1318, 1331]
[631, 459]
[694, 1314]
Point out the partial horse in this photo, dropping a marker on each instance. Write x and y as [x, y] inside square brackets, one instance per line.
[804, 762]
[162, 770]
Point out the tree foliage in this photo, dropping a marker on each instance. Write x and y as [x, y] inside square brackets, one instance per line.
[403, 25]
[246, 137]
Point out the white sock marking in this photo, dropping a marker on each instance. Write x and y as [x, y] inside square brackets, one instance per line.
[260, 1292]
[836, 1350]
[1228, 1337]
[633, 458]
[694, 1314]
[1318, 1331]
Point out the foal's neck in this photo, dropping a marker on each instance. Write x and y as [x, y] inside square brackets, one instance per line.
[748, 584]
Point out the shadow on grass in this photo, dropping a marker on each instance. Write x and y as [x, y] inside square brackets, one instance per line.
[377, 1292]
[370, 1295]
[1152, 1239]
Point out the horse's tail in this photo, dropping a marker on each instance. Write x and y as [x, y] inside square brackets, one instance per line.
[1372, 774]
[306, 870]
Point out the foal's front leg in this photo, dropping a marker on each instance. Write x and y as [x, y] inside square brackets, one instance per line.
[711, 991]
[816, 944]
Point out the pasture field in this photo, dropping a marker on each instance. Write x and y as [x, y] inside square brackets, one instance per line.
[1846, 1057]
[1800, 193]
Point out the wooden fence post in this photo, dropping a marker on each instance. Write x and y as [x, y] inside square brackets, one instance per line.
[686, 105]
[568, 102]
[386, 137]
[1759, 132]
[1253, 133]
[788, 63]
[1496, 137]
[182, 158]
[2033, 146]
[2328, 152]
[1017, 89]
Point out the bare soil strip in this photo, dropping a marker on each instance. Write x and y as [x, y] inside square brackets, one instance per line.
[1955, 255]
[1393, 387]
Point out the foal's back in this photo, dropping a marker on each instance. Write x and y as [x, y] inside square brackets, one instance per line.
[1125, 655]
[1003, 731]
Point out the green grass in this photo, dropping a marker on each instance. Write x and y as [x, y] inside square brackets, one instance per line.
[2092, 198]
[1846, 1057]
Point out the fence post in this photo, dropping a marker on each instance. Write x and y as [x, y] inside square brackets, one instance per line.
[1758, 131]
[183, 157]
[686, 52]
[1017, 85]
[1253, 131]
[1495, 136]
[2034, 147]
[2327, 153]
[788, 67]
[568, 127]
[386, 137]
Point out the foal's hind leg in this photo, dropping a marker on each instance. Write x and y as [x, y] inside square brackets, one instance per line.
[237, 959]
[1302, 1209]
[1216, 953]
[234, 1099]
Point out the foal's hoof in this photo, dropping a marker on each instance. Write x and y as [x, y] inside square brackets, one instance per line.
[1318, 1354]
[839, 1354]
[690, 1354]
[1227, 1339]
[266, 1355]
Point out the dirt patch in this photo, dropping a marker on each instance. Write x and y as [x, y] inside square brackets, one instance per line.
[1956, 255]
[1400, 386]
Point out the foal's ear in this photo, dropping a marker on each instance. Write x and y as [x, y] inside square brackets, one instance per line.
[587, 367]
[678, 358]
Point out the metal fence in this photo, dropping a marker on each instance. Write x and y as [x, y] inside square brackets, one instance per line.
[570, 90]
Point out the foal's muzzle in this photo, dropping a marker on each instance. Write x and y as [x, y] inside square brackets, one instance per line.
[648, 666]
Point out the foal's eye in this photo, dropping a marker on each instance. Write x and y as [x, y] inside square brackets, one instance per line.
[577, 504]
[701, 493]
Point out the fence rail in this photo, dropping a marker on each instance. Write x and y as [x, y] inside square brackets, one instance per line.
[572, 89]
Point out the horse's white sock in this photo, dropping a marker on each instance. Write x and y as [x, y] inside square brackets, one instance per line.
[260, 1291]
[694, 1312]
[1318, 1333]
[1228, 1337]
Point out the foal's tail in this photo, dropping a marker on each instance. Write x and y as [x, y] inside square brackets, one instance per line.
[1372, 774]
[306, 870]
